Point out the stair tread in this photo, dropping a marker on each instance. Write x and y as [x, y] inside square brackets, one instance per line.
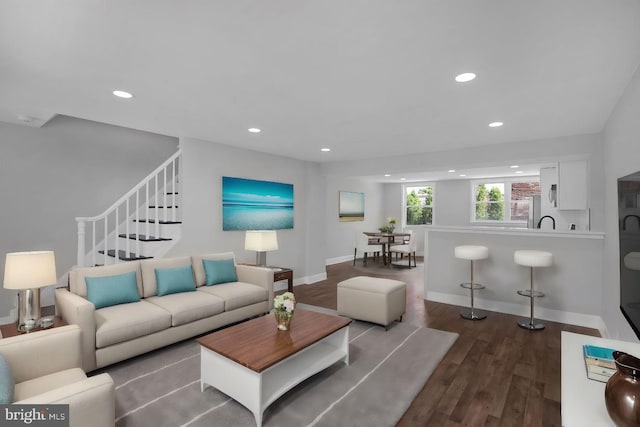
[153, 221]
[143, 238]
[122, 255]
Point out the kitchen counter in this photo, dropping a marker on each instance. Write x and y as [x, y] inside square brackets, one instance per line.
[516, 231]
[572, 285]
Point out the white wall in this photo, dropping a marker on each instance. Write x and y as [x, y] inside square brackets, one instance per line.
[68, 168]
[205, 163]
[452, 201]
[340, 236]
[621, 142]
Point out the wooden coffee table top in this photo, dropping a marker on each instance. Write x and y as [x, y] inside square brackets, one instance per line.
[257, 344]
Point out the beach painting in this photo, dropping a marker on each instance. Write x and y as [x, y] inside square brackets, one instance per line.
[351, 207]
[248, 204]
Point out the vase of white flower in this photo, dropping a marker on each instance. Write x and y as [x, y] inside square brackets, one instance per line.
[283, 306]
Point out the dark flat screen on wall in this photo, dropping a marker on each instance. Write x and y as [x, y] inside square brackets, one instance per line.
[629, 235]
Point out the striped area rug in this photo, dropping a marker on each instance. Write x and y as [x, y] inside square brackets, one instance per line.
[386, 371]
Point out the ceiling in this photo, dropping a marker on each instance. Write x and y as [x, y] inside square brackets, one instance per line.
[365, 78]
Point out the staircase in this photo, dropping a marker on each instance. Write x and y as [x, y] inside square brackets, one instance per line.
[144, 223]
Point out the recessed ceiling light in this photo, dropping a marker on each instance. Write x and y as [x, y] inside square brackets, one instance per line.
[519, 172]
[403, 179]
[495, 124]
[514, 166]
[465, 77]
[387, 174]
[325, 149]
[462, 174]
[451, 170]
[122, 94]
[254, 130]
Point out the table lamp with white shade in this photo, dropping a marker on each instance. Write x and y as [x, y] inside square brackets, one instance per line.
[28, 272]
[261, 241]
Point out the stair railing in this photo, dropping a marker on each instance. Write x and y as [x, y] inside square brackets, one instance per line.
[129, 212]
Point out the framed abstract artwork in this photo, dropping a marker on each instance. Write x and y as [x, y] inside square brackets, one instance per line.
[351, 206]
[248, 204]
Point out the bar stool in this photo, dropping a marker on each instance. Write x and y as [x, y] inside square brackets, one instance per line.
[532, 259]
[472, 253]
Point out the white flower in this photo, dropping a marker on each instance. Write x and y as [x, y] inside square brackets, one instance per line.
[288, 305]
[285, 302]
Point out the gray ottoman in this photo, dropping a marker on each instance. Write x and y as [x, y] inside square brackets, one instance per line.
[372, 299]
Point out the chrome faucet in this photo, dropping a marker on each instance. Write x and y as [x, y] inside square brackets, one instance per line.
[549, 216]
[624, 221]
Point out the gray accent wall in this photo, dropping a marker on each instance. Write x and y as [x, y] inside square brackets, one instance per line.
[67, 168]
[341, 236]
[205, 163]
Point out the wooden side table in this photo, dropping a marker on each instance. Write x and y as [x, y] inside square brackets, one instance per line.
[11, 329]
[280, 273]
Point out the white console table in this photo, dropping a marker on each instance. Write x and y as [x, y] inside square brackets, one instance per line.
[583, 399]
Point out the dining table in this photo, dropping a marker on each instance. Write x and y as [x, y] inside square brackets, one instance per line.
[386, 240]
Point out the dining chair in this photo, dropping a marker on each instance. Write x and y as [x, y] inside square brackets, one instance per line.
[408, 248]
[405, 239]
[363, 246]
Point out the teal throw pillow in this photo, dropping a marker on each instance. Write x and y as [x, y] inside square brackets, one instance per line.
[174, 280]
[112, 290]
[219, 271]
[6, 382]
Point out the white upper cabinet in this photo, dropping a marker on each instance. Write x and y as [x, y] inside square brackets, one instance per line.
[572, 185]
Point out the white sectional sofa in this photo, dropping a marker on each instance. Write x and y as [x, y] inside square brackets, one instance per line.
[139, 306]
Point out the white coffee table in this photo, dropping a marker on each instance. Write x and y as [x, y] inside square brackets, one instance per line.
[254, 363]
[582, 399]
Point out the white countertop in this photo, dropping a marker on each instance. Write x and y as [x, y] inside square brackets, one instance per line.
[582, 399]
[526, 232]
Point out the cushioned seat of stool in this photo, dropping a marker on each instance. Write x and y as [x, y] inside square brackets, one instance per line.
[533, 258]
[471, 252]
[372, 299]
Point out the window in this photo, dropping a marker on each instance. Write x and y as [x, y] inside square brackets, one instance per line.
[419, 204]
[503, 200]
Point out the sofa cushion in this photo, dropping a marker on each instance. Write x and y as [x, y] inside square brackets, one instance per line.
[175, 280]
[6, 382]
[78, 286]
[148, 270]
[36, 386]
[198, 266]
[237, 294]
[219, 271]
[125, 322]
[186, 307]
[111, 290]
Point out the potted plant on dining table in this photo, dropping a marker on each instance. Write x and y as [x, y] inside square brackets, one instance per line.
[390, 227]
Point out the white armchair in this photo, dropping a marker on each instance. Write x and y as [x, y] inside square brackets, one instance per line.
[45, 366]
[363, 246]
[408, 248]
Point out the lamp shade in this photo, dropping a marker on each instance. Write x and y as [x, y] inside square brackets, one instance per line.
[261, 240]
[28, 270]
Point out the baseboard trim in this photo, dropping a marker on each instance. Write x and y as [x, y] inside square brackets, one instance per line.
[339, 259]
[345, 258]
[282, 285]
[586, 320]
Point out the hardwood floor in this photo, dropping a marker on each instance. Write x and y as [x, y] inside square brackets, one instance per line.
[496, 374]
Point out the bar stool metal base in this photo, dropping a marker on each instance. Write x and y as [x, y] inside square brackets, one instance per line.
[471, 314]
[530, 324]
